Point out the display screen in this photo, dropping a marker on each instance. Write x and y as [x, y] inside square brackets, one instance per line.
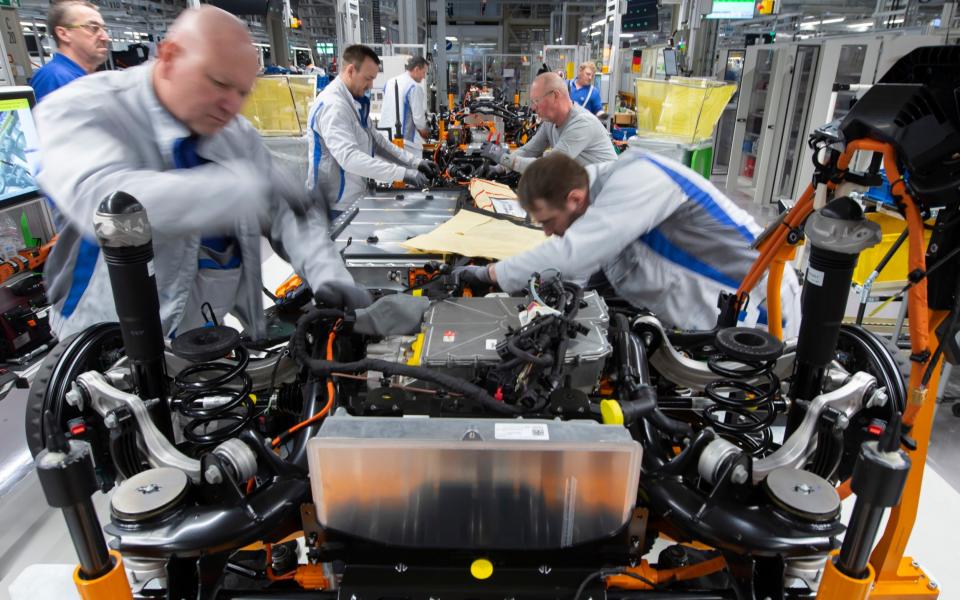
[732, 9]
[18, 141]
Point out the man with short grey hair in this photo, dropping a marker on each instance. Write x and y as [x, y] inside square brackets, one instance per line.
[567, 128]
[82, 45]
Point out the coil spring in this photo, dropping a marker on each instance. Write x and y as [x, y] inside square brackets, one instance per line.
[199, 382]
[749, 409]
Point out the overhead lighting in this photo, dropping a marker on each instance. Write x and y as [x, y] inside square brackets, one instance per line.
[860, 25]
[451, 38]
[626, 35]
[596, 24]
[584, 30]
[829, 21]
[382, 28]
[595, 34]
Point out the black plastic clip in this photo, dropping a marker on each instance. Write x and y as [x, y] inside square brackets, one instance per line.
[921, 357]
[916, 276]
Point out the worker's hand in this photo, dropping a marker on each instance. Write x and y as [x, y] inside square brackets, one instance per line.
[494, 152]
[472, 275]
[338, 294]
[416, 179]
[490, 171]
[429, 168]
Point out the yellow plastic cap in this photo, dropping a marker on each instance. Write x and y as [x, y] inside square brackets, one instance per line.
[481, 568]
[611, 413]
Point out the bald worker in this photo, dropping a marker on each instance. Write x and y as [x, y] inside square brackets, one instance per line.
[567, 128]
[168, 133]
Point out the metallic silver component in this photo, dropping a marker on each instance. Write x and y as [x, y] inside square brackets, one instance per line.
[714, 457]
[400, 568]
[148, 494]
[122, 230]
[842, 422]
[739, 474]
[807, 570]
[544, 569]
[695, 374]
[803, 442]
[213, 475]
[160, 452]
[141, 571]
[841, 235]
[877, 398]
[240, 457]
[110, 421]
[932, 585]
[803, 494]
[74, 397]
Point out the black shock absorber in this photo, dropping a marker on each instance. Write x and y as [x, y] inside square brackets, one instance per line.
[838, 233]
[124, 234]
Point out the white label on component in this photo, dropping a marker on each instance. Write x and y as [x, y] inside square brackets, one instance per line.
[815, 276]
[521, 431]
[150, 271]
[508, 206]
[491, 344]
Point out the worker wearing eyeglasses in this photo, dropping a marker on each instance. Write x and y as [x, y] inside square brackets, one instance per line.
[82, 45]
[567, 127]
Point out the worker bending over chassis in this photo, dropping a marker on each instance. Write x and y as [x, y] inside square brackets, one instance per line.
[168, 134]
[342, 147]
[567, 128]
[664, 237]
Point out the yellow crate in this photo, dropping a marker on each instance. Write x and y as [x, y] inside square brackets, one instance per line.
[278, 105]
[896, 270]
[683, 109]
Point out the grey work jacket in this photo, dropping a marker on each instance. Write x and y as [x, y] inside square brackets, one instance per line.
[108, 132]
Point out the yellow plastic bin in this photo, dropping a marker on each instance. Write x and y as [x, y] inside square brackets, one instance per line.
[682, 109]
[897, 269]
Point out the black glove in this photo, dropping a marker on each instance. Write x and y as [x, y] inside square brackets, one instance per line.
[429, 168]
[472, 275]
[337, 294]
[416, 179]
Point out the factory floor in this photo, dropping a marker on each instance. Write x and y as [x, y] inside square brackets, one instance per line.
[37, 557]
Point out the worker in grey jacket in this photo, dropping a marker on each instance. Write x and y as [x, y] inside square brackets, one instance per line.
[663, 236]
[342, 147]
[567, 128]
[168, 134]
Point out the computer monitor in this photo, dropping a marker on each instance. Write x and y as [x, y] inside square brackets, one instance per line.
[670, 62]
[18, 145]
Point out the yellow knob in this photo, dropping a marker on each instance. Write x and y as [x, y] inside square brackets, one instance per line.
[611, 413]
[481, 568]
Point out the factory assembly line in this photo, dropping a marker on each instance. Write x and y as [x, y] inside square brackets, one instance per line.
[448, 442]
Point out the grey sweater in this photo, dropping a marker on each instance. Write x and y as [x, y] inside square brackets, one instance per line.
[582, 137]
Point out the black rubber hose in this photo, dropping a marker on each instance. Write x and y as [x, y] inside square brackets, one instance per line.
[323, 368]
[298, 455]
[541, 361]
[689, 454]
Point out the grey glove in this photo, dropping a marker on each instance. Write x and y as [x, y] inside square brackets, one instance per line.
[429, 168]
[494, 171]
[494, 152]
[337, 294]
[416, 179]
[472, 275]
[397, 314]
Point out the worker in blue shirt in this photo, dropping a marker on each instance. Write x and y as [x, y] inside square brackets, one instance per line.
[82, 45]
[582, 90]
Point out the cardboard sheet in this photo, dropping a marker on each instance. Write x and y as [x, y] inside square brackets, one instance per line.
[477, 236]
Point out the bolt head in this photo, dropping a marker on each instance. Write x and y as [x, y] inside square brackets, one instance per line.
[932, 585]
[739, 474]
[110, 421]
[213, 475]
